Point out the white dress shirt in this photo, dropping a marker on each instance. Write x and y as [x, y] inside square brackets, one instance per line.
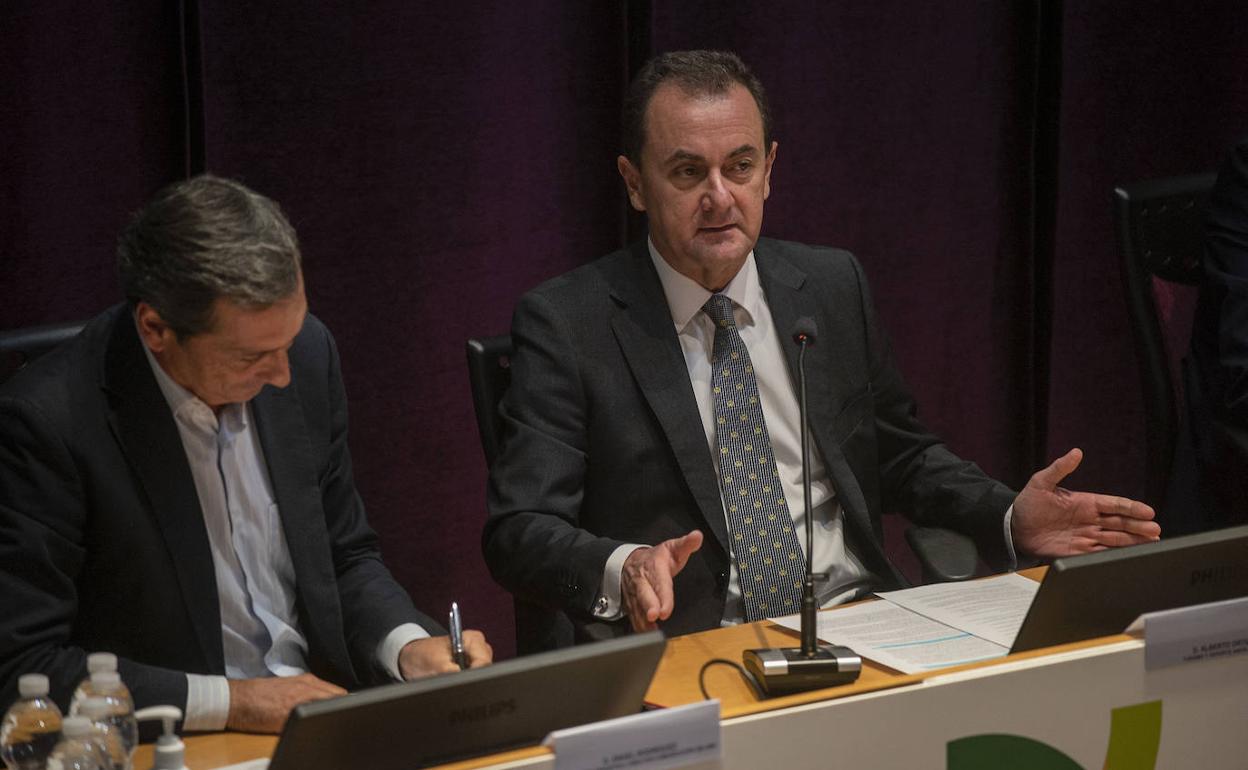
[255, 576]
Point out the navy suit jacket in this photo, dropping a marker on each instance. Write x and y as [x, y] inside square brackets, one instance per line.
[102, 540]
[603, 443]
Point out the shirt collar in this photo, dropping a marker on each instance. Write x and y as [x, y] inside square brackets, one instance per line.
[685, 296]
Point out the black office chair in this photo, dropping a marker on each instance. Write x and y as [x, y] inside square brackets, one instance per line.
[1161, 229]
[19, 347]
[489, 373]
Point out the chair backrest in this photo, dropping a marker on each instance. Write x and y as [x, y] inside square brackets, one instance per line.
[1161, 227]
[489, 374]
[19, 347]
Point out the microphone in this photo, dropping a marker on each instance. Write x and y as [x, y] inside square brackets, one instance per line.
[784, 670]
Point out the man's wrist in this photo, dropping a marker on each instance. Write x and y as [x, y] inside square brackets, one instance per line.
[392, 646]
[608, 605]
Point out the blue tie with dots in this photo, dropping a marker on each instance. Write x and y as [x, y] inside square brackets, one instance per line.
[769, 558]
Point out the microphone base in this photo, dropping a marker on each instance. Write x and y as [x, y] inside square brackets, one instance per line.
[786, 670]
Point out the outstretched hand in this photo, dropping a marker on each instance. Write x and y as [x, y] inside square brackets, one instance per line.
[646, 582]
[1050, 521]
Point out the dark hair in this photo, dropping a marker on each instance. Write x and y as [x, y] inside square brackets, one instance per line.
[698, 73]
[205, 238]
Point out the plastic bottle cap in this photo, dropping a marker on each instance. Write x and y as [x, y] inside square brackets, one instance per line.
[101, 661]
[75, 727]
[32, 685]
[95, 709]
[105, 681]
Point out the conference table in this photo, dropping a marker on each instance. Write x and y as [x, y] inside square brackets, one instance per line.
[1086, 704]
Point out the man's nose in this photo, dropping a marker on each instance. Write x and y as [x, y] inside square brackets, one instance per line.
[277, 372]
[717, 196]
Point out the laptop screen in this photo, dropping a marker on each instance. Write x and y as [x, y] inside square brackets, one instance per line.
[471, 713]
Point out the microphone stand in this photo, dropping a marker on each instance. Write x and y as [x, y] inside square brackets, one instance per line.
[784, 670]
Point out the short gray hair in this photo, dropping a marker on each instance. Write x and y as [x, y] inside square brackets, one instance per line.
[204, 238]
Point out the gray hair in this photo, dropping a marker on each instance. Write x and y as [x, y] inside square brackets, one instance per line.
[204, 238]
[698, 73]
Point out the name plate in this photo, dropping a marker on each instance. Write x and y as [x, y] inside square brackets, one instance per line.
[1192, 634]
[654, 740]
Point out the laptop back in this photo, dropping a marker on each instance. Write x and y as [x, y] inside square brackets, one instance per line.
[1098, 594]
[471, 713]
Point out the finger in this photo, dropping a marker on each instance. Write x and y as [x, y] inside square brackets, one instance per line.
[1124, 506]
[1117, 539]
[682, 548]
[1150, 530]
[643, 604]
[1050, 477]
[661, 581]
[479, 651]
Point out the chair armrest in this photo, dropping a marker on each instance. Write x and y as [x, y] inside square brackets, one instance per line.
[945, 556]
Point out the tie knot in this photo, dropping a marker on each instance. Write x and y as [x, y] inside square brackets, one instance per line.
[719, 308]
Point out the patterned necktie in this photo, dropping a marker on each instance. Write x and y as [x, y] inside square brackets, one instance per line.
[769, 558]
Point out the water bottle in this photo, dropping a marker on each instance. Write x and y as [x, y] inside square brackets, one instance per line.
[31, 727]
[96, 661]
[107, 686]
[104, 731]
[76, 750]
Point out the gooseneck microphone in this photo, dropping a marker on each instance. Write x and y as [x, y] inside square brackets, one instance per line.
[779, 671]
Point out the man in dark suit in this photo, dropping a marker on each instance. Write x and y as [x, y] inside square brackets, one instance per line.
[1216, 372]
[650, 470]
[176, 487]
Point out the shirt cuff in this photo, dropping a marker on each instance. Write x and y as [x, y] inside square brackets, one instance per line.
[390, 647]
[608, 606]
[1009, 539]
[207, 703]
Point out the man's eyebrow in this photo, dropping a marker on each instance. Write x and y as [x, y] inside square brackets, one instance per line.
[681, 156]
[745, 149]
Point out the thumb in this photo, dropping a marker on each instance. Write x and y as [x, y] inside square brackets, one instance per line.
[1062, 467]
[682, 548]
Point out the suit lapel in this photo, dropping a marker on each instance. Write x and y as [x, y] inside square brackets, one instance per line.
[643, 328]
[790, 297]
[143, 425]
[292, 472]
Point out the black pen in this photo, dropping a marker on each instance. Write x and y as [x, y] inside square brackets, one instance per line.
[457, 638]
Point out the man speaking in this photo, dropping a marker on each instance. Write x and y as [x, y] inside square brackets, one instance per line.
[651, 472]
[176, 487]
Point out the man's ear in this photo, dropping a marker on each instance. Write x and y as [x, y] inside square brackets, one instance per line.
[767, 164]
[153, 330]
[632, 181]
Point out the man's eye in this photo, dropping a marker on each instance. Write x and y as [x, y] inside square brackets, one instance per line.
[743, 167]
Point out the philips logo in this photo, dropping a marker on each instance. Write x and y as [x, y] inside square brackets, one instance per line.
[483, 711]
[1217, 574]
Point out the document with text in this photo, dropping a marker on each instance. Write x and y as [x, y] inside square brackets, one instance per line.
[932, 626]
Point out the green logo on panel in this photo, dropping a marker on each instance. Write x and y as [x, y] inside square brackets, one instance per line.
[1134, 737]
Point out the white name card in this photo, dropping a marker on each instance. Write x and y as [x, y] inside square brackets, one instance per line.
[1191, 634]
[653, 740]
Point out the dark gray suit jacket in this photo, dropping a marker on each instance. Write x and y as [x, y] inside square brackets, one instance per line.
[102, 540]
[603, 443]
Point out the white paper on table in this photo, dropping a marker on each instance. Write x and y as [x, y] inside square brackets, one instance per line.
[898, 638]
[992, 608]
[251, 764]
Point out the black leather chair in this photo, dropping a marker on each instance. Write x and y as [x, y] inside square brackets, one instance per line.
[19, 347]
[943, 555]
[1161, 229]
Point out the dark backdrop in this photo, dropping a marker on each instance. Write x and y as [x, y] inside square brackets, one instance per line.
[438, 160]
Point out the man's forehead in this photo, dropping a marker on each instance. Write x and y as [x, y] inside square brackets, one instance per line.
[679, 120]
